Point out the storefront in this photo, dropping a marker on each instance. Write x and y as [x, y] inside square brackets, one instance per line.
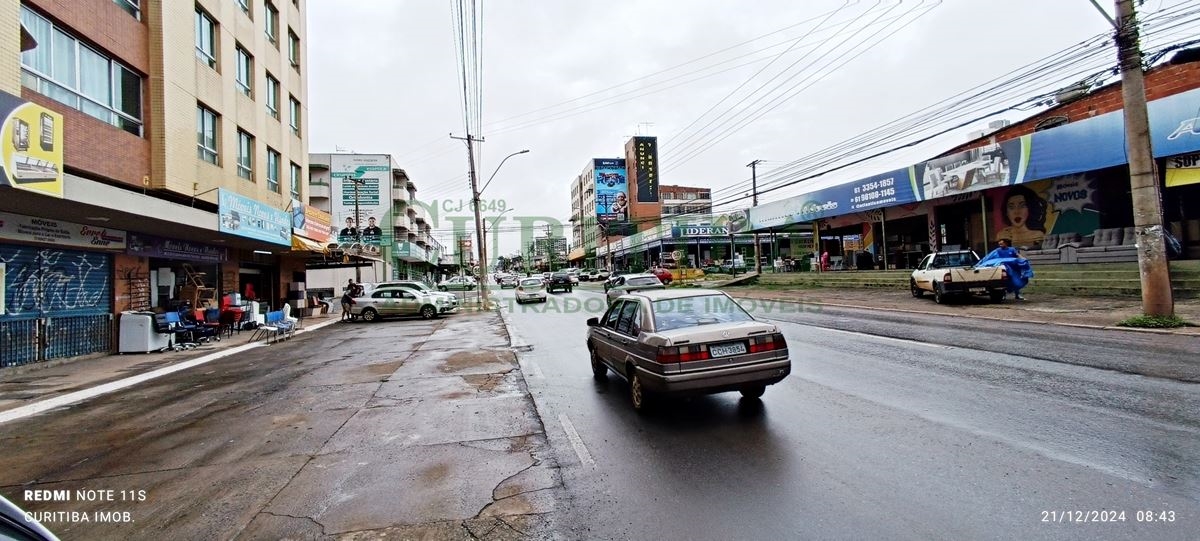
[257, 275]
[168, 274]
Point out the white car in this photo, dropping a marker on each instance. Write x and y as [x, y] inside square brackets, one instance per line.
[394, 301]
[446, 302]
[602, 274]
[531, 290]
[460, 283]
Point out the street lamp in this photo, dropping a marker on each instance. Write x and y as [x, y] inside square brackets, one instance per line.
[479, 226]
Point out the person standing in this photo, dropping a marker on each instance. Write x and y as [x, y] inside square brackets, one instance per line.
[1019, 271]
[348, 299]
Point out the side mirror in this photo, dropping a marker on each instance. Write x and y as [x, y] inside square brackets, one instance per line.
[593, 322]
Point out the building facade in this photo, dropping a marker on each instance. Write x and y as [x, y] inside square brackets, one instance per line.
[158, 147]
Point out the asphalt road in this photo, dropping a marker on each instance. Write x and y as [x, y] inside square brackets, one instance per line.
[977, 431]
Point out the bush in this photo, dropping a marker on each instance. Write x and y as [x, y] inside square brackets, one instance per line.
[1155, 322]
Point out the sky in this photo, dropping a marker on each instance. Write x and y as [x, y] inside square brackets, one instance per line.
[720, 83]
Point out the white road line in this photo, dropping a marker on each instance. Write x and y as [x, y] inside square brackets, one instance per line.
[869, 335]
[78, 396]
[576, 441]
[531, 368]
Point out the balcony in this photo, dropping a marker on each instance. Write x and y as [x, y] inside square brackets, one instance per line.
[402, 222]
[421, 215]
[318, 190]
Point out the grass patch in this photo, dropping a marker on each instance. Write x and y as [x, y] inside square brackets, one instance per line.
[1155, 322]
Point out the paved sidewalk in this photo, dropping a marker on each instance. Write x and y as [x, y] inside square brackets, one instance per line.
[1102, 312]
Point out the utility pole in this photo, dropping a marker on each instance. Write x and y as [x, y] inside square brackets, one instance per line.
[1157, 298]
[483, 292]
[357, 234]
[754, 203]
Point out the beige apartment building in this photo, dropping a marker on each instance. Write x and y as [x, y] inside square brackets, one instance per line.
[153, 152]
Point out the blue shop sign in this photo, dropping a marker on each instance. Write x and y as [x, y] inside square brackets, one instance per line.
[245, 217]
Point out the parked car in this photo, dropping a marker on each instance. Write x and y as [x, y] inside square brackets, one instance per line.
[560, 281]
[394, 301]
[446, 302]
[531, 289]
[947, 274]
[509, 280]
[603, 274]
[628, 283]
[587, 275]
[16, 524]
[458, 283]
[692, 341]
[663, 275]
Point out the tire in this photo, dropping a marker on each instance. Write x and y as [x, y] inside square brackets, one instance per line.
[997, 295]
[369, 315]
[916, 291]
[938, 296]
[599, 369]
[443, 288]
[570, 289]
[754, 391]
[637, 392]
[428, 311]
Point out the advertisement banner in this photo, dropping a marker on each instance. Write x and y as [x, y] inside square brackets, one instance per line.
[645, 151]
[245, 217]
[311, 222]
[57, 232]
[362, 181]
[144, 245]
[698, 231]
[972, 170]
[31, 146]
[1027, 212]
[612, 190]
[1183, 170]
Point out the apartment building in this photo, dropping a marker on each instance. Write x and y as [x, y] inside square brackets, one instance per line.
[161, 150]
[686, 202]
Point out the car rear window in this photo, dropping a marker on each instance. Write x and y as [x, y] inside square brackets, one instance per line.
[643, 281]
[672, 314]
[531, 282]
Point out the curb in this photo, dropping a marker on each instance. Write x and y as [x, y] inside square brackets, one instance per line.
[976, 316]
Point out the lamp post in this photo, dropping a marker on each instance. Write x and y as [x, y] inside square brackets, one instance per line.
[479, 226]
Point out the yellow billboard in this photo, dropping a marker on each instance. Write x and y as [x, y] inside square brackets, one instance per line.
[1183, 169]
[31, 147]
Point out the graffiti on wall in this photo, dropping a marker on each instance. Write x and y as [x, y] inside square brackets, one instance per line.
[40, 280]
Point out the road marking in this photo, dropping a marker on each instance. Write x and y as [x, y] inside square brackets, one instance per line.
[576, 441]
[531, 368]
[78, 396]
[868, 335]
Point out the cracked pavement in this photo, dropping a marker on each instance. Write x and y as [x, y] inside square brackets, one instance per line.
[397, 430]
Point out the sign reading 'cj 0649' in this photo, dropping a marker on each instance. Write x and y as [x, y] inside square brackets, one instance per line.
[59, 233]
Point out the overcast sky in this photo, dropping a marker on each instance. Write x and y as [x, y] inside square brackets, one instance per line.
[383, 78]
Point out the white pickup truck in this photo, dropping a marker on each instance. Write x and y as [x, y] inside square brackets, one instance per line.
[947, 274]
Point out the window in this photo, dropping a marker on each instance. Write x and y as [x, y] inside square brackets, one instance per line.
[293, 49]
[245, 71]
[245, 155]
[272, 170]
[610, 319]
[294, 122]
[272, 24]
[273, 96]
[131, 7]
[206, 135]
[295, 179]
[629, 318]
[78, 76]
[245, 5]
[206, 39]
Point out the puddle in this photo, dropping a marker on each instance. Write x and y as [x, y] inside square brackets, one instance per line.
[464, 360]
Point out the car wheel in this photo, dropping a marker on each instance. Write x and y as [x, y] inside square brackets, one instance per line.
[570, 289]
[938, 296]
[599, 370]
[428, 312]
[637, 392]
[369, 314]
[916, 291]
[997, 295]
[443, 288]
[755, 391]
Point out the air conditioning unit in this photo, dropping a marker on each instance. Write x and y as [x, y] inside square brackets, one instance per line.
[999, 124]
[971, 136]
[1072, 93]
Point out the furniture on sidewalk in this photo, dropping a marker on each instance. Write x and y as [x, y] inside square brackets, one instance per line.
[1105, 245]
[181, 337]
[140, 334]
[276, 327]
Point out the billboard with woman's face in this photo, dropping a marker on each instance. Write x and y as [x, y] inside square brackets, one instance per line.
[1026, 213]
[612, 190]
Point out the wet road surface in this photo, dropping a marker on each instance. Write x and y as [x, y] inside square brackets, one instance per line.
[879, 437]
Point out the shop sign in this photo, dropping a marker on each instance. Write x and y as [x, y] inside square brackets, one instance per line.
[311, 222]
[1183, 170]
[253, 219]
[31, 146]
[151, 246]
[44, 230]
[698, 231]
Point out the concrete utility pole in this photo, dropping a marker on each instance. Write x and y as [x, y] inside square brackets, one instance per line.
[483, 292]
[1157, 298]
[754, 203]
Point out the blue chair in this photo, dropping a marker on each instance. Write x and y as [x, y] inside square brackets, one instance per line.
[169, 323]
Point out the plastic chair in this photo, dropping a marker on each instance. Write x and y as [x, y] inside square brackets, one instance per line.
[169, 323]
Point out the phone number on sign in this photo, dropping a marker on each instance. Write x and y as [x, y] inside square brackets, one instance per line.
[1107, 516]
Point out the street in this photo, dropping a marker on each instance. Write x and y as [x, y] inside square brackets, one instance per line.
[929, 428]
[879, 437]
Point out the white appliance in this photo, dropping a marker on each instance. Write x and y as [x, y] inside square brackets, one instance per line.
[138, 334]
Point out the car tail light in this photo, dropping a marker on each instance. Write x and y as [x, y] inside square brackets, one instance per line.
[947, 278]
[682, 354]
[770, 342]
[1003, 274]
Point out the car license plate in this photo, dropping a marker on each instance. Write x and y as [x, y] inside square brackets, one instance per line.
[725, 350]
[979, 290]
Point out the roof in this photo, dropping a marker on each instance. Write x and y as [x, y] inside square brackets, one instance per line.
[661, 294]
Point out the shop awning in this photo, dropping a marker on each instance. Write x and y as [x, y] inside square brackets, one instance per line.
[304, 244]
[577, 253]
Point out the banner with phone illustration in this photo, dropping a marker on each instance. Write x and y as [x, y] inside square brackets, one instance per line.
[31, 146]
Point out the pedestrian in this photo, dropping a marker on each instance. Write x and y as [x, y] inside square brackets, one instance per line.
[1018, 268]
[348, 299]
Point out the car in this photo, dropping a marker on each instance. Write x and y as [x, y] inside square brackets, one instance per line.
[953, 273]
[602, 274]
[446, 302]
[690, 341]
[531, 289]
[574, 276]
[510, 280]
[628, 283]
[560, 281]
[459, 283]
[587, 275]
[612, 277]
[18, 524]
[663, 275]
[394, 301]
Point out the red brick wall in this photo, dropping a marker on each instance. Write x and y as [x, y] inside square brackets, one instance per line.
[1161, 82]
[98, 148]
